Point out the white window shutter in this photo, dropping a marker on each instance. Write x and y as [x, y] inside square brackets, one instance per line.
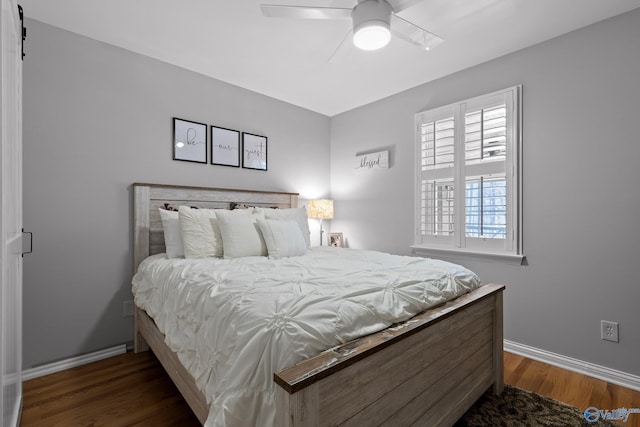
[467, 173]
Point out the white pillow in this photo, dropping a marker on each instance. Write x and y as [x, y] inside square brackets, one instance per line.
[297, 214]
[172, 233]
[200, 233]
[240, 234]
[283, 237]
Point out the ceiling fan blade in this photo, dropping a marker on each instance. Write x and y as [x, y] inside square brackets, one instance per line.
[411, 33]
[304, 12]
[399, 5]
[344, 48]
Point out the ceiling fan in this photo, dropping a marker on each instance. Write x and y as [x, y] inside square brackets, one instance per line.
[374, 21]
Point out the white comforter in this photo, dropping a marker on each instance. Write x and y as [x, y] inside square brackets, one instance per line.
[234, 322]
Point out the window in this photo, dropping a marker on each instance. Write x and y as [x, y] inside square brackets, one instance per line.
[468, 176]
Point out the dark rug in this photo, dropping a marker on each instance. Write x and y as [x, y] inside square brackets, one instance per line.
[516, 408]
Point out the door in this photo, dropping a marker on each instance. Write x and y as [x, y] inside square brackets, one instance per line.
[11, 212]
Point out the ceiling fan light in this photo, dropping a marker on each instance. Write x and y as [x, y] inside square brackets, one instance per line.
[372, 35]
[371, 24]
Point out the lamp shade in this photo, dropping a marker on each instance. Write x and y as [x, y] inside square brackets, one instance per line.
[320, 208]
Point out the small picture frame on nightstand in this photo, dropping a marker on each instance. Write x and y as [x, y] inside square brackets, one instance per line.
[335, 240]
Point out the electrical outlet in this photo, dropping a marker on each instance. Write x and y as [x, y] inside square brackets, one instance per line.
[609, 330]
[127, 308]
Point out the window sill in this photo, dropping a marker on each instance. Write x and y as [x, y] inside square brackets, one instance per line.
[467, 254]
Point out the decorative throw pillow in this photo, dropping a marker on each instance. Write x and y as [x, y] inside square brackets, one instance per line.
[283, 237]
[172, 207]
[172, 233]
[234, 205]
[240, 234]
[200, 232]
[297, 214]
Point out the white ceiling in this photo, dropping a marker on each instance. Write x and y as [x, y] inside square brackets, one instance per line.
[231, 41]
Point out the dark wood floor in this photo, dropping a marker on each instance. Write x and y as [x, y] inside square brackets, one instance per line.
[133, 390]
[127, 390]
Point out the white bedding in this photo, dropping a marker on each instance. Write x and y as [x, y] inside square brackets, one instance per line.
[235, 322]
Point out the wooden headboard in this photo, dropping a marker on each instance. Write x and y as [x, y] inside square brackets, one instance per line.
[148, 238]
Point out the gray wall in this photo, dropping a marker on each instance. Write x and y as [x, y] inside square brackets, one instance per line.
[96, 119]
[581, 186]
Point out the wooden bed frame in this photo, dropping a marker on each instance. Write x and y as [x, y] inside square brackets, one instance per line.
[428, 370]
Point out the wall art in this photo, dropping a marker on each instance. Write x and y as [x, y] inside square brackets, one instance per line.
[371, 161]
[225, 147]
[189, 141]
[254, 151]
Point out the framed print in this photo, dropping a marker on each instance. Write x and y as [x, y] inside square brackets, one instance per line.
[189, 141]
[225, 147]
[254, 151]
[335, 240]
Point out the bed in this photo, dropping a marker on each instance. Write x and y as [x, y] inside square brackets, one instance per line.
[425, 371]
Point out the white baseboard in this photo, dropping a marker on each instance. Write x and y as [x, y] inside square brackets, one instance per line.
[596, 371]
[61, 365]
[575, 365]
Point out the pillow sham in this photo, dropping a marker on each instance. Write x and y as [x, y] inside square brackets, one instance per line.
[172, 207]
[283, 237]
[240, 234]
[200, 232]
[172, 233]
[297, 214]
[234, 206]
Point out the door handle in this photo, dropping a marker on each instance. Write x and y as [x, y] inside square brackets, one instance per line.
[30, 242]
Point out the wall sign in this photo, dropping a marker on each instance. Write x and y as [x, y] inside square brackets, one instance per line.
[255, 151]
[370, 161]
[189, 141]
[225, 147]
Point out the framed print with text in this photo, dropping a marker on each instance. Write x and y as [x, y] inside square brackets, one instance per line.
[189, 141]
[225, 147]
[254, 151]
